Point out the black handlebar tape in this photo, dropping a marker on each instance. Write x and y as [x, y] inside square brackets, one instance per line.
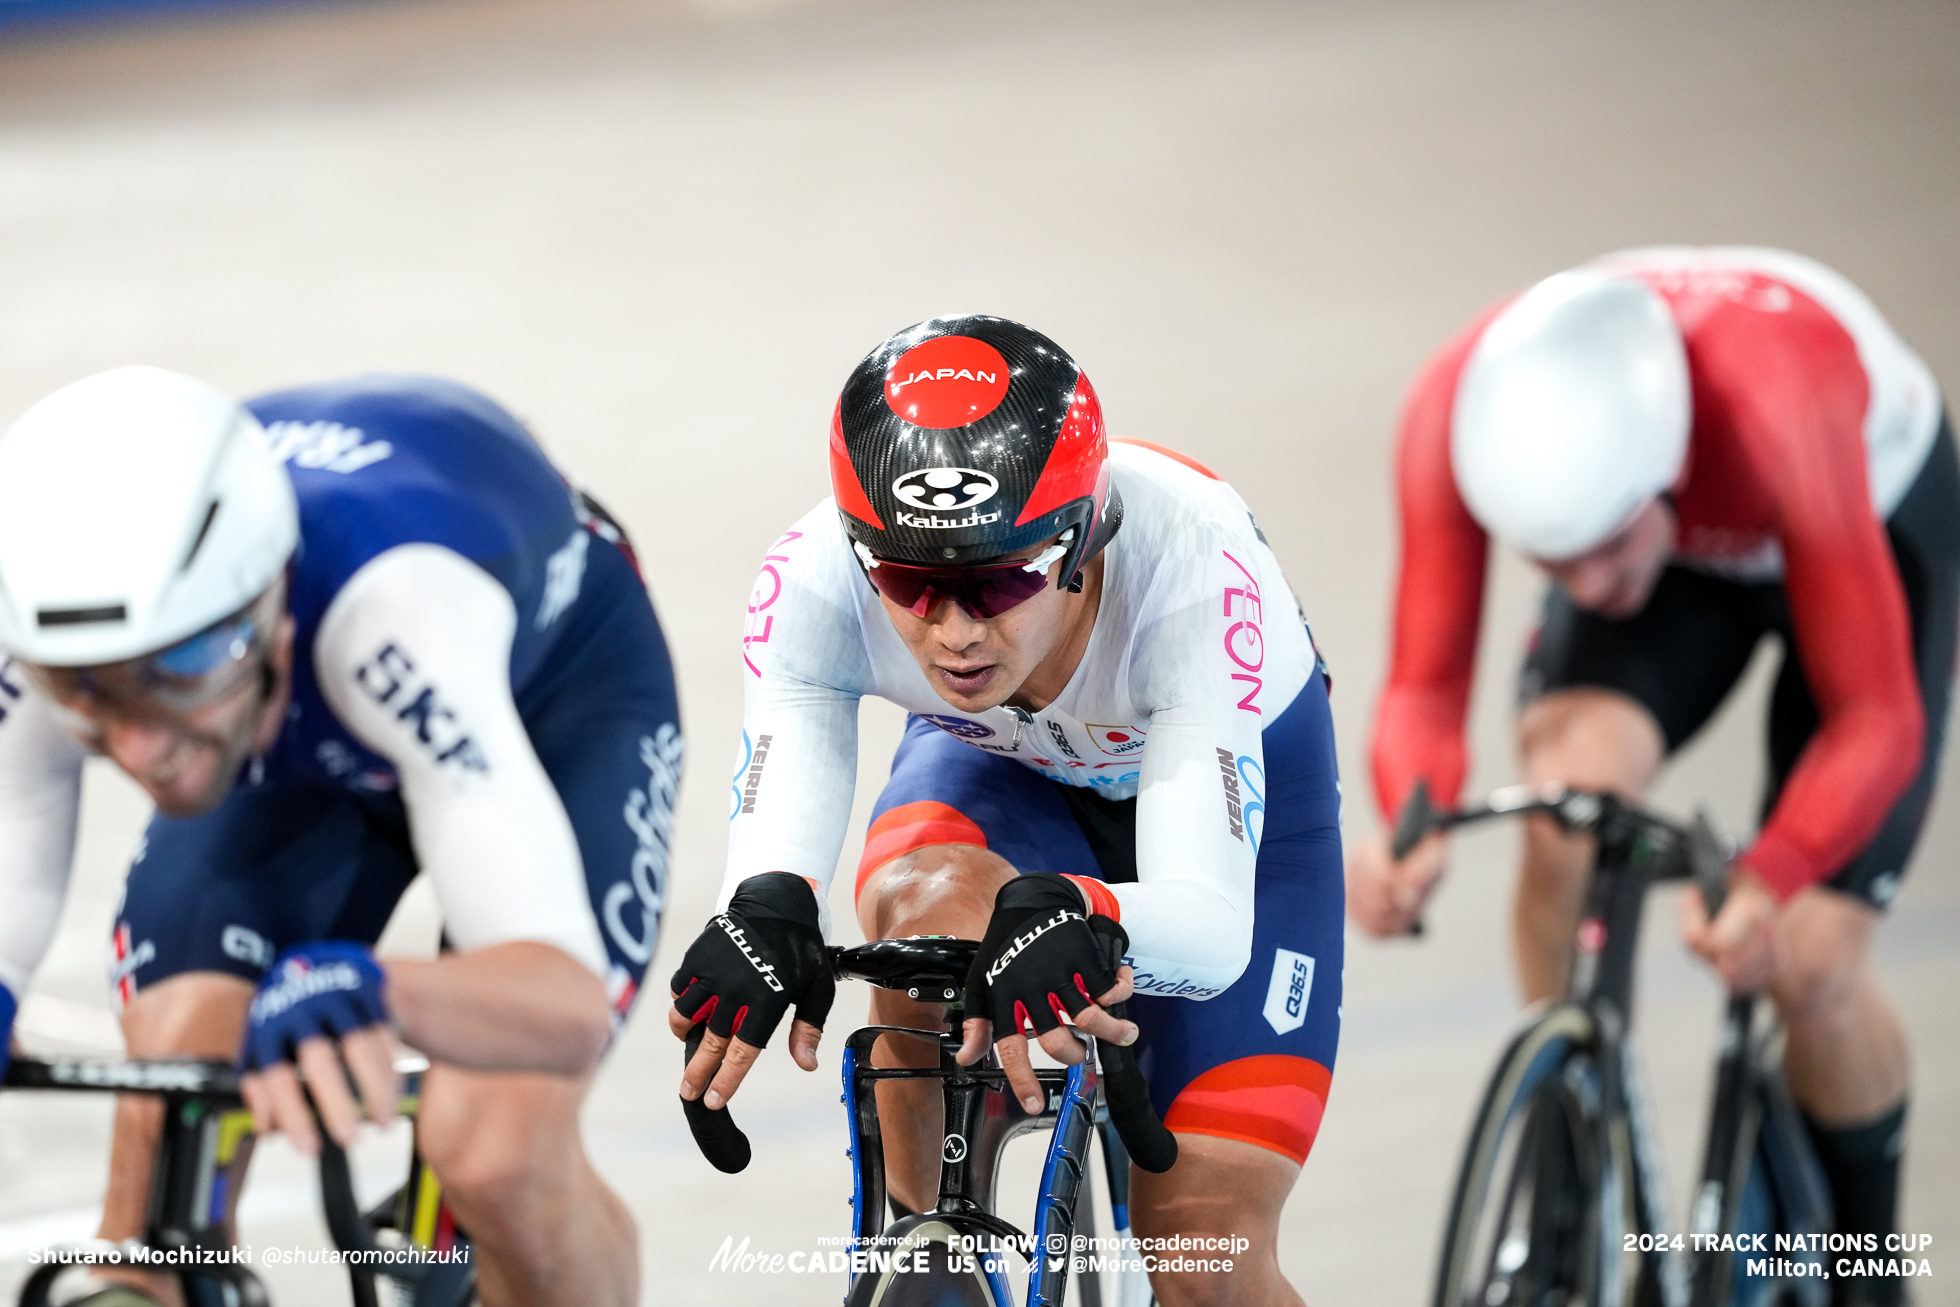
[1417, 820]
[1708, 864]
[720, 1140]
[1151, 1146]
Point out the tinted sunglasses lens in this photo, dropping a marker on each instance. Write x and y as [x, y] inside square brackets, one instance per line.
[911, 588]
[991, 591]
[205, 652]
[189, 674]
[983, 591]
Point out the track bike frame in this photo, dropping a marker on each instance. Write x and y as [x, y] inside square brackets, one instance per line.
[1751, 1118]
[202, 1155]
[981, 1116]
[1786, 1193]
[1103, 1095]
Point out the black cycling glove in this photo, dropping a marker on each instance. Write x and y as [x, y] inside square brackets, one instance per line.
[757, 959]
[1041, 954]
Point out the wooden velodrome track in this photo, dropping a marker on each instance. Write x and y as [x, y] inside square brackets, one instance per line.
[663, 232]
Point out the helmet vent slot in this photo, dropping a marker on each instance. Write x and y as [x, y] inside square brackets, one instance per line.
[203, 530]
[82, 616]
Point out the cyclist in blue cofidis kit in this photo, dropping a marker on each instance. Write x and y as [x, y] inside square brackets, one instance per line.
[1116, 735]
[342, 634]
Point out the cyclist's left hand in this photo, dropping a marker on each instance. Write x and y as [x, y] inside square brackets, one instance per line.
[319, 1004]
[1044, 955]
[1740, 943]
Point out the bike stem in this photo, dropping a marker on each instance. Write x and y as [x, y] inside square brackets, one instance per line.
[1608, 937]
[965, 1098]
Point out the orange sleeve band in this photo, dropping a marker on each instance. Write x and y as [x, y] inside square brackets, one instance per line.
[1100, 899]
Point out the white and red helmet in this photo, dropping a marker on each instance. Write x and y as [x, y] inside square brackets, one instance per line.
[1572, 413]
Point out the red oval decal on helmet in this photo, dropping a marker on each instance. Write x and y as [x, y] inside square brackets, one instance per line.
[946, 382]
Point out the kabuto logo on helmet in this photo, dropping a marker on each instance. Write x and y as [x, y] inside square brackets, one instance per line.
[946, 487]
[946, 382]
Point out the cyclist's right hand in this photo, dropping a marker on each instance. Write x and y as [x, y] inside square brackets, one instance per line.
[750, 965]
[1045, 955]
[1385, 896]
[321, 1009]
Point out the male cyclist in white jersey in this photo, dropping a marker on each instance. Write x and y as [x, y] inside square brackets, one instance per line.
[340, 635]
[1120, 738]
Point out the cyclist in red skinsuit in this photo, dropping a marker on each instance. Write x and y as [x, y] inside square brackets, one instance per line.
[1812, 491]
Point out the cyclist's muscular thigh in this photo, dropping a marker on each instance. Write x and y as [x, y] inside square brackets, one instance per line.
[195, 1014]
[1220, 1189]
[941, 889]
[1590, 739]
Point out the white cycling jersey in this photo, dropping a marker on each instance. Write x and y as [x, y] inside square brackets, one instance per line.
[1198, 645]
[496, 840]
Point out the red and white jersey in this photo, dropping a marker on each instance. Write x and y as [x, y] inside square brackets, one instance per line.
[1901, 406]
[1811, 419]
[1198, 644]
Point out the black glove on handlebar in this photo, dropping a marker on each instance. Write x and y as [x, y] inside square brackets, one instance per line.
[1041, 953]
[755, 960]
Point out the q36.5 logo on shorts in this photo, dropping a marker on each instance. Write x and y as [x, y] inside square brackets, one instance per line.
[946, 489]
[1288, 990]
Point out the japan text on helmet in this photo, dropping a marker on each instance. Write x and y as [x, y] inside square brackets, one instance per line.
[967, 438]
[137, 507]
[1572, 413]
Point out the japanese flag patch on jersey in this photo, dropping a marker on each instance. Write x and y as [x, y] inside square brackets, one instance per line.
[1117, 741]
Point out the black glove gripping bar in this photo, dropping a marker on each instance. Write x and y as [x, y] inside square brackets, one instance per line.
[720, 1140]
[1151, 1145]
[939, 964]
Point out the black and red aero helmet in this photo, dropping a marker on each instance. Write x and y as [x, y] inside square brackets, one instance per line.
[969, 437]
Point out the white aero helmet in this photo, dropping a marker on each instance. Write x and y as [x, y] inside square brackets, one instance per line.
[137, 507]
[1572, 412]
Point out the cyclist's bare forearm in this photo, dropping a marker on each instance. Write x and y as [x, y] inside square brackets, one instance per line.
[520, 1006]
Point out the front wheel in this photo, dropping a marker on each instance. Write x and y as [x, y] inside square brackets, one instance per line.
[1545, 1196]
[1775, 1189]
[935, 1261]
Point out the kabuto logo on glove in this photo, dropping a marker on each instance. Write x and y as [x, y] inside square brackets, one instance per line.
[1021, 942]
[734, 932]
[773, 924]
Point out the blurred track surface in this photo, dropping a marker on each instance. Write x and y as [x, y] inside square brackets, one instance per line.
[663, 232]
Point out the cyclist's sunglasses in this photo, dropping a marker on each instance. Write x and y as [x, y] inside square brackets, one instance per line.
[985, 589]
[207, 667]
